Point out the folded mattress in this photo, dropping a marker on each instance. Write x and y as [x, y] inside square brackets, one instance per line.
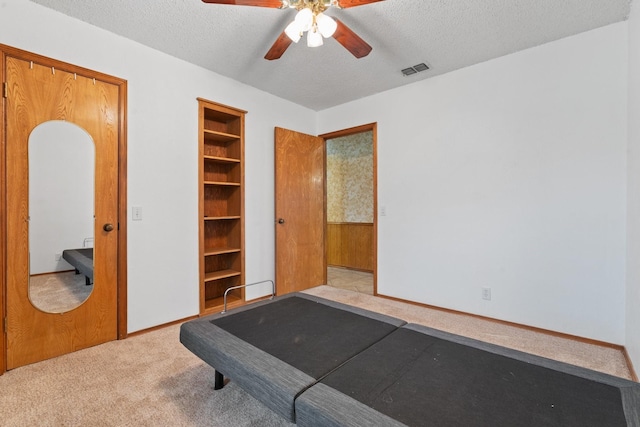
[277, 349]
[81, 260]
[419, 376]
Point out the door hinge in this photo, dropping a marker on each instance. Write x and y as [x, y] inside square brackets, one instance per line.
[4, 89]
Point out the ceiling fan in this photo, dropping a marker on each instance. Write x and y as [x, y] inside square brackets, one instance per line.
[312, 20]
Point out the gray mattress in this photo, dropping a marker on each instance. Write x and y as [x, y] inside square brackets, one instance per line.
[316, 362]
[276, 349]
[419, 376]
[81, 260]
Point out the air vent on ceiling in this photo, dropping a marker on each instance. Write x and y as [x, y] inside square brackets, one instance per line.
[415, 69]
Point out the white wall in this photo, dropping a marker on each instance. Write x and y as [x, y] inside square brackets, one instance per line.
[633, 212]
[162, 154]
[510, 174]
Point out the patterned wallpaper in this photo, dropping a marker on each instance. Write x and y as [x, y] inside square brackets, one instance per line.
[350, 178]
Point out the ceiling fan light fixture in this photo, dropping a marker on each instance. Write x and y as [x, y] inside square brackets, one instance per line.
[314, 38]
[293, 31]
[304, 18]
[326, 25]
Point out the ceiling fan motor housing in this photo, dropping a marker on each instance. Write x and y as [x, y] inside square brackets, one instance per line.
[317, 6]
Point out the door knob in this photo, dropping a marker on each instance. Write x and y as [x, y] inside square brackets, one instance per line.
[107, 227]
[281, 221]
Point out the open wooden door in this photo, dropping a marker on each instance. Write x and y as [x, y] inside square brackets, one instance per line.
[36, 94]
[300, 211]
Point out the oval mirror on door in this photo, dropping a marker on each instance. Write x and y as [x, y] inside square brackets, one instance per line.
[61, 216]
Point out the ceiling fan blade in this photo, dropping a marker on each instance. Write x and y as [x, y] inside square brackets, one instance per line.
[260, 3]
[353, 3]
[278, 48]
[351, 41]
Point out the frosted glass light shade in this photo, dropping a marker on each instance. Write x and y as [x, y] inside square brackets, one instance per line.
[314, 39]
[326, 25]
[304, 18]
[293, 31]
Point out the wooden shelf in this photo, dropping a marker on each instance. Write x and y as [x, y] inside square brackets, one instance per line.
[221, 251]
[212, 135]
[217, 304]
[221, 159]
[222, 274]
[222, 183]
[221, 218]
[221, 206]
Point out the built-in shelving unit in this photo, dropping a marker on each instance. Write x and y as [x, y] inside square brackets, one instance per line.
[221, 178]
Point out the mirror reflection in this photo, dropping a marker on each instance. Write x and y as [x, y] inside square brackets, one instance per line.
[61, 216]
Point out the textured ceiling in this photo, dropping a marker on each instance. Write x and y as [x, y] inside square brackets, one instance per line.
[445, 34]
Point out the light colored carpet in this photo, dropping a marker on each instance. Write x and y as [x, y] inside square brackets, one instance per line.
[58, 292]
[351, 280]
[152, 380]
[146, 380]
[599, 358]
[608, 360]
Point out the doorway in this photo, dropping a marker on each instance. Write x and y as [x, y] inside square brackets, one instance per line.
[299, 211]
[47, 105]
[300, 208]
[350, 188]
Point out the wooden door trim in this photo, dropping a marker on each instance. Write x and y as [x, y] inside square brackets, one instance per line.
[3, 221]
[8, 51]
[373, 127]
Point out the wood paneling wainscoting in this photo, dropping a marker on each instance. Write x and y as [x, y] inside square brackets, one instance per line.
[350, 245]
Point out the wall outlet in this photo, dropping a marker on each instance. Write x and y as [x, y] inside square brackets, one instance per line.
[136, 213]
[486, 294]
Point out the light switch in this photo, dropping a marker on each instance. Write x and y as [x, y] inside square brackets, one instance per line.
[136, 213]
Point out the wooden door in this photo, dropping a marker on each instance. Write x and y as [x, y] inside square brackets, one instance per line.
[37, 94]
[300, 211]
